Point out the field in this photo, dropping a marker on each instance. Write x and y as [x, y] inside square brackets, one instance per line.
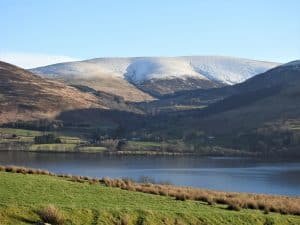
[22, 195]
[21, 139]
[143, 146]
[9, 135]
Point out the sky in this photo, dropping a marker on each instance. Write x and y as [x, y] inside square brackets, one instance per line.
[35, 33]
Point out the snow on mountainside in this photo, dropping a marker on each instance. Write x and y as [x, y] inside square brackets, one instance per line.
[135, 78]
[228, 70]
[144, 69]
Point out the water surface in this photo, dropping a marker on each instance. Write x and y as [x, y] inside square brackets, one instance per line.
[219, 173]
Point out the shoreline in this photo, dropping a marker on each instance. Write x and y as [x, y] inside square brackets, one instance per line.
[234, 200]
[157, 153]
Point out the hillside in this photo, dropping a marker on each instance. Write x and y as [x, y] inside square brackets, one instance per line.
[276, 78]
[261, 114]
[96, 76]
[126, 77]
[25, 96]
[266, 90]
[23, 196]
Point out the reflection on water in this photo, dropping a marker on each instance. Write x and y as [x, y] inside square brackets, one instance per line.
[228, 174]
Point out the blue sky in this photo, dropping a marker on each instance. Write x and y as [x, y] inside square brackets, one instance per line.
[37, 32]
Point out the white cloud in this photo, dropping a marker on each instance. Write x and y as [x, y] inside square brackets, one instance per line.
[32, 60]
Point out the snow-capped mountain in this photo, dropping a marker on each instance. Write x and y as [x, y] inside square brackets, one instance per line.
[156, 75]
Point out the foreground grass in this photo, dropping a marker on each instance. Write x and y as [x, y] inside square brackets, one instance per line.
[22, 195]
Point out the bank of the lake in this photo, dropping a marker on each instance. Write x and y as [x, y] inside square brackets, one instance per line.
[22, 195]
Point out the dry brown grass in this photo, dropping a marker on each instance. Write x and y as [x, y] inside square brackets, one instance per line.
[24, 170]
[234, 201]
[43, 98]
[51, 215]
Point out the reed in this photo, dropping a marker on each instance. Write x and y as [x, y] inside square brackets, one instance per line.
[51, 215]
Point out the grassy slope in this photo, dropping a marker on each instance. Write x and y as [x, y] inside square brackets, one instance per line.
[82, 203]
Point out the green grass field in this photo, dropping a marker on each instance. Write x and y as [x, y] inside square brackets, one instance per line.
[20, 132]
[83, 203]
[53, 147]
[22, 136]
[143, 144]
[91, 149]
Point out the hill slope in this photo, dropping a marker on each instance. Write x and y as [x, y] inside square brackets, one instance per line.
[281, 76]
[155, 75]
[261, 114]
[98, 76]
[276, 87]
[25, 96]
[83, 203]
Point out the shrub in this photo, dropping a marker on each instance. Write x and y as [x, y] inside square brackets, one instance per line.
[234, 206]
[10, 169]
[21, 170]
[262, 206]
[107, 181]
[252, 205]
[221, 201]
[77, 179]
[274, 209]
[111, 144]
[52, 215]
[181, 197]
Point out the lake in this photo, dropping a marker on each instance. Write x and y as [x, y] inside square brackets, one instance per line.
[218, 173]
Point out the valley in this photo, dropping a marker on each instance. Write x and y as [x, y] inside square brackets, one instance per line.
[184, 122]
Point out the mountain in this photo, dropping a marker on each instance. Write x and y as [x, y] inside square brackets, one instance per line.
[260, 84]
[103, 75]
[26, 96]
[271, 90]
[136, 79]
[261, 114]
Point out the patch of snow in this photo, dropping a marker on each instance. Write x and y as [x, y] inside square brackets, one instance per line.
[229, 70]
[160, 68]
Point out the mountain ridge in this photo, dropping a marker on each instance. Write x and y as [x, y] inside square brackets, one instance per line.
[157, 75]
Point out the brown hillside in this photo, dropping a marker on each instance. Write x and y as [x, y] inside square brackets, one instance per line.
[25, 96]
